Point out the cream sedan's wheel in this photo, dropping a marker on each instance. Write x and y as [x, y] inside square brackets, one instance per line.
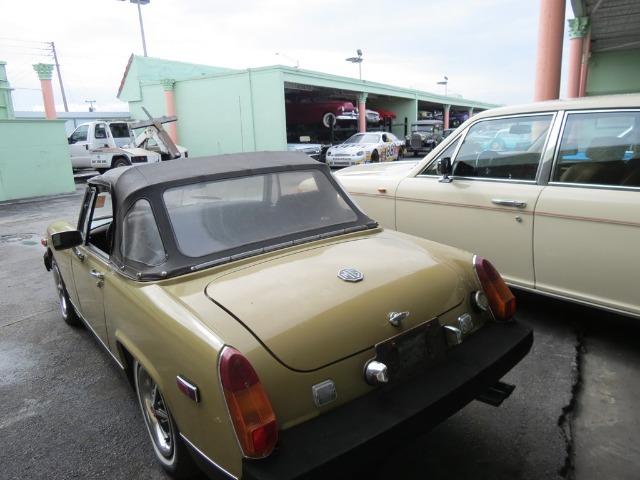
[167, 445]
[68, 313]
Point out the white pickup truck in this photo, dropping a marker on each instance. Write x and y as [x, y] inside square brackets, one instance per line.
[105, 144]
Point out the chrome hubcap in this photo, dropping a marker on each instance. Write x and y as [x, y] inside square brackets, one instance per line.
[156, 414]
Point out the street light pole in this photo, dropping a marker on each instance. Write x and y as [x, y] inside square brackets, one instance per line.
[144, 44]
[357, 60]
[140, 2]
[444, 82]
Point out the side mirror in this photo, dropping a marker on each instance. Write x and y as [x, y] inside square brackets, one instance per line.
[444, 168]
[67, 239]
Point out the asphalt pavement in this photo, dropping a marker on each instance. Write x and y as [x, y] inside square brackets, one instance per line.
[67, 412]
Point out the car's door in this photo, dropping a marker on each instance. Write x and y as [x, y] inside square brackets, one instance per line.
[486, 206]
[90, 261]
[587, 235]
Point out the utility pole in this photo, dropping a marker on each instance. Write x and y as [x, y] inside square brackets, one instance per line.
[55, 59]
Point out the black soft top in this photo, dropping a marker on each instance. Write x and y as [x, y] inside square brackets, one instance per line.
[149, 181]
[124, 182]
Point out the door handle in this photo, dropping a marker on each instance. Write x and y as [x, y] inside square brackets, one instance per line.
[509, 203]
[96, 274]
[78, 253]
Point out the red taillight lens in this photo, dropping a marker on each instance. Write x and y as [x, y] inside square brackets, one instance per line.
[251, 413]
[501, 300]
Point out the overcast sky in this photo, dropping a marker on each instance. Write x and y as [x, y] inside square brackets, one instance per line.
[486, 48]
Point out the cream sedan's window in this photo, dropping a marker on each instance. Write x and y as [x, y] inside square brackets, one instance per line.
[601, 148]
[503, 148]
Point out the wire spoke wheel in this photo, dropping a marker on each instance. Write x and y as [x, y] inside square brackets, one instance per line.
[169, 448]
[66, 309]
[155, 413]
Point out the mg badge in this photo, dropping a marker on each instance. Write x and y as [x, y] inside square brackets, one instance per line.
[350, 275]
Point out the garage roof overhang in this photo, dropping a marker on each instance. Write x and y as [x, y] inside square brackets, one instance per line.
[309, 84]
[613, 23]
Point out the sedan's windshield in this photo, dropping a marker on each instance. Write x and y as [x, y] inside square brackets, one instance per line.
[364, 138]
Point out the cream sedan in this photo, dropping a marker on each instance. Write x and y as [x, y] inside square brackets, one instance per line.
[559, 213]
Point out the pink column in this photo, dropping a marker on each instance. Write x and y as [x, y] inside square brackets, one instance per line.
[169, 99]
[44, 71]
[362, 112]
[577, 29]
[445, 116]
[549, 57]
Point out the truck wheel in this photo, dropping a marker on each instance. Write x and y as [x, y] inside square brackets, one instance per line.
[120, 162]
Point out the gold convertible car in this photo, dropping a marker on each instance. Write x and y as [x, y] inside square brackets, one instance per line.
[269, 327]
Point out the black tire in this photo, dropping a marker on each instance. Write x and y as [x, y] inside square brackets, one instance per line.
[375, 156]
[400, 153]
[69, 314]
[168, 447]
[328, 119]
[120, 162]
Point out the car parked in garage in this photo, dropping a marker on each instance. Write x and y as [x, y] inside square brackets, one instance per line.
[385, 115]
[365, 147]
[425, 136]
[559, 212]
[320, 112]
[270, 328]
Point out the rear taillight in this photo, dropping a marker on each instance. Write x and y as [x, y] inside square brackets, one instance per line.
[251, 413]
[501, 300]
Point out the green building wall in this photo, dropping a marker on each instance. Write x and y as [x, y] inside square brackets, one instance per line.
[614, 72]
[226, 113]
[34, 159]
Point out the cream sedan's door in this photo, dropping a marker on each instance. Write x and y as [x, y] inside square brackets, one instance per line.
[493, 219]
[587, 235]
[587, 245]
[487, 205]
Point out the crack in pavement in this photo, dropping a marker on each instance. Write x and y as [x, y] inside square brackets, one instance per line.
[565, 421]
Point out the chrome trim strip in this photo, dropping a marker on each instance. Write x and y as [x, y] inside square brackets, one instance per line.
[204, 457]
[104, 345]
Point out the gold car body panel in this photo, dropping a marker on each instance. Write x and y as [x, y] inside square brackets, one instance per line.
[335, 313]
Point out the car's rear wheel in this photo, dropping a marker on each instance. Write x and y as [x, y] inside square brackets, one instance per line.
[165, 438]
[69, 314]
[328, 119]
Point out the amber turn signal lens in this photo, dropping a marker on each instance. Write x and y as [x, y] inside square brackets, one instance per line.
[501, 301]
[253, 418]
